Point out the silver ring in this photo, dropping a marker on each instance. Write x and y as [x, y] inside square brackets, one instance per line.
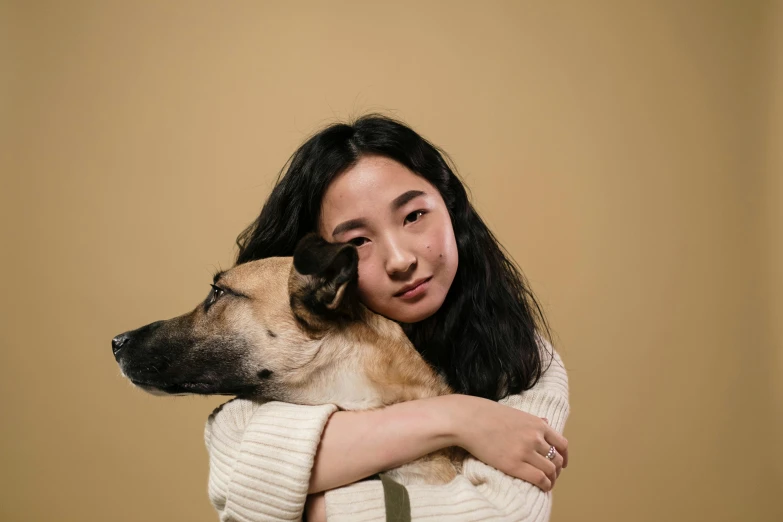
[551, 454]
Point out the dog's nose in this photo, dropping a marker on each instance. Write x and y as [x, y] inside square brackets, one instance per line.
[118, 342]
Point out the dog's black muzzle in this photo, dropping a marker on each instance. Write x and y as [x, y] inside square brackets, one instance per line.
[139, 355]
[165, 356]
[124, 342]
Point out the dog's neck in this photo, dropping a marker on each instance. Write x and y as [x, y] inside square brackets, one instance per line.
[366, 365]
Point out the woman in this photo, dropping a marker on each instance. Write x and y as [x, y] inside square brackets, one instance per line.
[427, 261]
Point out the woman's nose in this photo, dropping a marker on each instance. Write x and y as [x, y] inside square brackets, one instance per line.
[398, 258]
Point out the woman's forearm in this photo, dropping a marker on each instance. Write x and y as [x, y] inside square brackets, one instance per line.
[358, 444]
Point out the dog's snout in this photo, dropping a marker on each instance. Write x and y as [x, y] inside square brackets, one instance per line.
[118, 342]
[124, 340]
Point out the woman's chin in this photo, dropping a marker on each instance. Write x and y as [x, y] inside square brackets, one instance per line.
[412, 312]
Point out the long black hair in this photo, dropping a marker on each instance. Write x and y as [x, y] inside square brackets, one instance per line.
[485, 337]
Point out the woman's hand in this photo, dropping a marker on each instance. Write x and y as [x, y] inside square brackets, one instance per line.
[510, 440]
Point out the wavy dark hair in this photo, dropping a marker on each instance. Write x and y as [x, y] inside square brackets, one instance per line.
[485, 337]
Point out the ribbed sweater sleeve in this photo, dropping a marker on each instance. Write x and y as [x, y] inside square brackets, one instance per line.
[480, 493]
[260, 458]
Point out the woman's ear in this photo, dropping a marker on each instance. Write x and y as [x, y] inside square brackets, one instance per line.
[323, 281]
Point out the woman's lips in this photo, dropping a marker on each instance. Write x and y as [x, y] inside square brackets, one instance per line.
[415, 289]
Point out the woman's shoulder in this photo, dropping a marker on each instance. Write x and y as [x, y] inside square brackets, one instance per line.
[549, 355]
[554, 375]
[548, 398]
[553, 381]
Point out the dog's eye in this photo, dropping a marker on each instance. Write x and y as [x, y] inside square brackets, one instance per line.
[214, 295]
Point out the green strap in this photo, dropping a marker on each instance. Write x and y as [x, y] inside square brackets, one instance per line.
[398, 503]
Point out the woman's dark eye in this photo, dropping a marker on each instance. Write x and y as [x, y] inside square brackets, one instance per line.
[358, 241]
[414, 216]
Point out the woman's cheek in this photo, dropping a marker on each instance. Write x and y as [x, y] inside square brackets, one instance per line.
[366, 280]
[444, 254]
[443, 242]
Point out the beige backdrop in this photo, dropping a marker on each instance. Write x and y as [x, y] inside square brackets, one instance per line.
[626, 153]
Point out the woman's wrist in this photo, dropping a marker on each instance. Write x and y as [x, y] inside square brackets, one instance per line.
[357, 444]
[455, 418]
[430, 424]
[451, 412]
[439, 419]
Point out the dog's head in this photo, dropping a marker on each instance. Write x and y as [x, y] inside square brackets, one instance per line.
[261, 323]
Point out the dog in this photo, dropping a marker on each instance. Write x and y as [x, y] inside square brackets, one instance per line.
[291, 330]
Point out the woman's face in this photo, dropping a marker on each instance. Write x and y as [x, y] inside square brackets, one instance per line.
[403, 233]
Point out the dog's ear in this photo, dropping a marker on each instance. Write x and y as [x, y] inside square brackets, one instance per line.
[323, 281]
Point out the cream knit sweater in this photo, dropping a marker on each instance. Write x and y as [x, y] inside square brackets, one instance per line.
[261, 454]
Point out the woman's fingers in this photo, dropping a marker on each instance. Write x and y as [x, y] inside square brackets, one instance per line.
[549, 467]
[534, 475]
[559, 461]
[549, 447]
[559, 442]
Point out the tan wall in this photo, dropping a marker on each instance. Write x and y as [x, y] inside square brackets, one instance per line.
[773, 219]
[617, 152]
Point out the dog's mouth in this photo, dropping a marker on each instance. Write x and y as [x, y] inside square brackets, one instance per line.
[190, 388]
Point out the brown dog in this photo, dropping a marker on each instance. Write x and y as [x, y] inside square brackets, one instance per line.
[290, 330]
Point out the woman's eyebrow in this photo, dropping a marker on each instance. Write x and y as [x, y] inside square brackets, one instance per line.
[345, 226]
[402, 199]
